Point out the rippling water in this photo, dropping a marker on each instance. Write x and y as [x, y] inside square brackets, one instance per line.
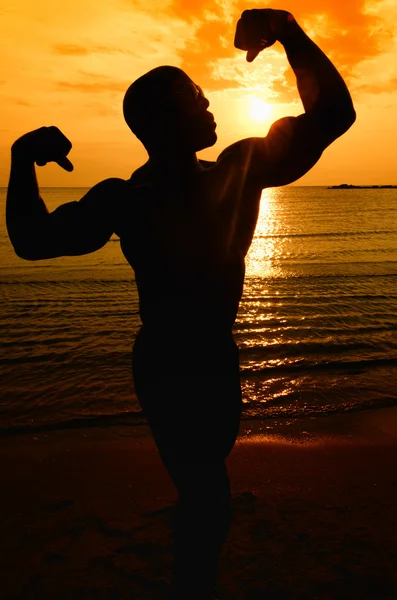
[316, 327]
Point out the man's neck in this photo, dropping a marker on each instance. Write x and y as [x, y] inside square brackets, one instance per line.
[183, 163]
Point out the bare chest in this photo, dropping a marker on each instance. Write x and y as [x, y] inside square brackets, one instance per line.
[207, 220]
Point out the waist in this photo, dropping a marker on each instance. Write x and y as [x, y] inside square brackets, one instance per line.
[209, 344]
[189, 313]
[185, 352]
[184, 334]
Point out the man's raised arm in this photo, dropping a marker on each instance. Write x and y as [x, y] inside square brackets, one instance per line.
[294, 144]
[72, 229]
[322, 90]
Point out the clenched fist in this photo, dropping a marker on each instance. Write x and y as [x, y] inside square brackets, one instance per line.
[258, 29]
[43, 145]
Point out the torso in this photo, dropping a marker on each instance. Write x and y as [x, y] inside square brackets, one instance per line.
[186, 241]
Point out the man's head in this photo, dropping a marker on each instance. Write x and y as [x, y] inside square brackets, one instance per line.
[167, 111]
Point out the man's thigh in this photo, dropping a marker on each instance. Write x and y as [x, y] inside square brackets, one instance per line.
[193, 420]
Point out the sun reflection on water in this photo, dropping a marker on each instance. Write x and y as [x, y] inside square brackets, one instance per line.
[265, 248]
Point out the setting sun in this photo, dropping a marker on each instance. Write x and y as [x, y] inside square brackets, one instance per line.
[90, 53]
[259, 109]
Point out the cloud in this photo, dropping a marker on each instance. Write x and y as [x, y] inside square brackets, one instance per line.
[21, 102]
[268, 71]
[198, 35]
[130, 42]
[94, 84]
[70, 50]
[85, 50]
[12, 100]
[347, 31]
[377, 88]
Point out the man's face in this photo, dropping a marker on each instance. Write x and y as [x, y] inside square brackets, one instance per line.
[184, 118]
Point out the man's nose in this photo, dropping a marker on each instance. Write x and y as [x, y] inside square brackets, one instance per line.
[205, 102]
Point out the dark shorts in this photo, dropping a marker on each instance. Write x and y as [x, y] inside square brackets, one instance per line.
[188, 386]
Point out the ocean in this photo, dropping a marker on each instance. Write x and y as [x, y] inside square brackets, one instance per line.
[316, 326]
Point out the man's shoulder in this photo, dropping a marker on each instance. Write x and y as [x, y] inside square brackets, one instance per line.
[108, 188]
[116, 190]
[240, 160]
[108, 195]
[241, 151]
[107, 200]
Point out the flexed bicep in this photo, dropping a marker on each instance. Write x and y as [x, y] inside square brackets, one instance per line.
[80, 227]
[290, 149]
[74, 230]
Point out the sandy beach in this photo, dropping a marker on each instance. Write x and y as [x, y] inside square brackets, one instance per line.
[87, 513]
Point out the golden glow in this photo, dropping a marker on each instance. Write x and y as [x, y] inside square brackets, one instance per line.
[259, 261]
[88, 54]
[260, 110]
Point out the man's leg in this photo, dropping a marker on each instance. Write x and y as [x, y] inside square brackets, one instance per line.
[195, 424]
[202, 521]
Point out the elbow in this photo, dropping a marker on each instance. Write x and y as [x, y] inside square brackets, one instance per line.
[336, 117]
[343, 124]
[339, 121]
[346, 115]
[28, 246]
[350, 117]
[347, 121]
[25, 245]
[26, 252]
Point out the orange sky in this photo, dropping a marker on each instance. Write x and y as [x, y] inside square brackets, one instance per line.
[69, 64]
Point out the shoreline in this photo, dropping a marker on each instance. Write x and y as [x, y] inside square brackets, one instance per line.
[369, 423]
[370, 426]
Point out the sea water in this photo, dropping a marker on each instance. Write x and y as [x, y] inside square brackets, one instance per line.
[316, 326]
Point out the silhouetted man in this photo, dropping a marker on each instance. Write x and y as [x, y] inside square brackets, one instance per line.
[185, 226]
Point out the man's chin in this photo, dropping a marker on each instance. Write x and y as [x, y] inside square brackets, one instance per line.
[209, 141]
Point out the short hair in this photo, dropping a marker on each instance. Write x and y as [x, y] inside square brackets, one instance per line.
[144, 94]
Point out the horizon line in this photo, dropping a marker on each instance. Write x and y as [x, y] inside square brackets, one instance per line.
[291, 185]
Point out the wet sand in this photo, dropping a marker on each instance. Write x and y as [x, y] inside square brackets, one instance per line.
[87, 513]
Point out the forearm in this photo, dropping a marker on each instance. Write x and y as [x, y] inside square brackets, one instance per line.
[26, 212]
[319, 83]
